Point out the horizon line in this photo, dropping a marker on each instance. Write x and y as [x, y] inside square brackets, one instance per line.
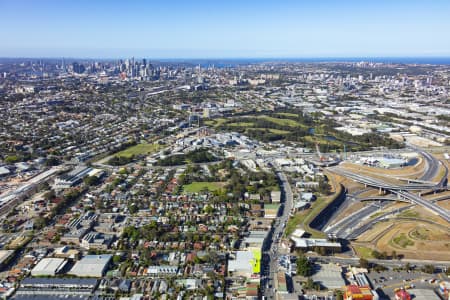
[238, 57]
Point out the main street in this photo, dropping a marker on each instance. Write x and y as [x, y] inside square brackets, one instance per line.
[270, 265]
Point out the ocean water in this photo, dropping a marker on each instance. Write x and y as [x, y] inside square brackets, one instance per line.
[225, 62]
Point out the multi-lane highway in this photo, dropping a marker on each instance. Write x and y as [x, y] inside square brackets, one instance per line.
[353, 225]
[358, 222]
[346, 226]
[431, 165]
[400, 190]
[380, 184]
[350, 226]
[424, 203]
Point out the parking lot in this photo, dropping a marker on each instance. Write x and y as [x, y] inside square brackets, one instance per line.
[390, 280]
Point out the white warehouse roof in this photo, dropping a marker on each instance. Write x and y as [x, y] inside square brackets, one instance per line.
[48, 267]
[91, 266]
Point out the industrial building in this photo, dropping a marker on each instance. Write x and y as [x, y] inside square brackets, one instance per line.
[245, 263]
[72, 178]
[254, 240]
[307, 244]
[352, 292]
[56, 286]
[91, 266]
[392, 163]
[97, 240]
[48, 267]
[328, 276]
[275, 196]
[67, 252]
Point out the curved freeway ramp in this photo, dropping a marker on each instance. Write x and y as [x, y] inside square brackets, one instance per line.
[400, 190]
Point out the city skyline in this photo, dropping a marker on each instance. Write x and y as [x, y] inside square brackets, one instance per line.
[202, 29]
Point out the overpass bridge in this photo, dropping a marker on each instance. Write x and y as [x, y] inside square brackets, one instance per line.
[368, 181]
[402, 191]
[354, 224]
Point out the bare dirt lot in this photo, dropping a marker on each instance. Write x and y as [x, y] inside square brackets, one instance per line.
[413, 239]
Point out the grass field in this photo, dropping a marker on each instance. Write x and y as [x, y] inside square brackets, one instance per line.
[377, 214]
[317, 207]
[305, 217]
[251, 126]
[321, 140]
[415, 240]
[409, 214]
[402, 241]
[278, 131]
[363, 252]
[283, 122]
[241, 124]
[198, 186]
[139, 149]
[376, 231]
[287, 114]
[271, 130]
[292, 223]
[215, 122]
[420, 233]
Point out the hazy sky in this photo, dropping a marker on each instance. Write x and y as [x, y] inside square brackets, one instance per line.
[224, 28]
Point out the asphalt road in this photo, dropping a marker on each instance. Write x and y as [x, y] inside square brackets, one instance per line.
[399, 190]
[431, 166]
[346, 226]
[356, 231]
[270, 265]
[384, 262]
[349, 227]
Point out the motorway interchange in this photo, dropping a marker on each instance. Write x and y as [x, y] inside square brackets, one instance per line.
[351, 227]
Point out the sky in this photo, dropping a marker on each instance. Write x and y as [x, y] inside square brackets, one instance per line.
[224, 28]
